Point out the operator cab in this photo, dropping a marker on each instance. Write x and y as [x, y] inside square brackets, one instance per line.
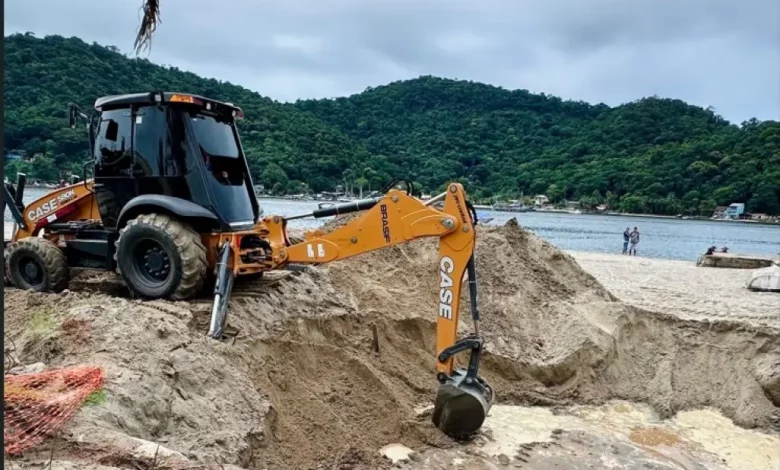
[183, 148]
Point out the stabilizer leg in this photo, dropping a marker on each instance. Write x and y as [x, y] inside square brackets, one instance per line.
[222, 290]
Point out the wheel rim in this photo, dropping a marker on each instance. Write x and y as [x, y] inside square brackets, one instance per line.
[152, 262]
[31, 272]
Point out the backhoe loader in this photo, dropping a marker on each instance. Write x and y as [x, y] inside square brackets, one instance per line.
[170, 207]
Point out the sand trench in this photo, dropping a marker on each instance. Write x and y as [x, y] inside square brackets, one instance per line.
[304, 386]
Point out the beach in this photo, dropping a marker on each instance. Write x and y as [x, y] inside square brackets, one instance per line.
[682, 289]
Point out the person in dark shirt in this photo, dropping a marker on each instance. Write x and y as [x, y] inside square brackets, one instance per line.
[625, 241]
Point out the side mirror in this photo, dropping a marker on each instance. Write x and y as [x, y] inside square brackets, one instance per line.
[112, 131]
[74, 112]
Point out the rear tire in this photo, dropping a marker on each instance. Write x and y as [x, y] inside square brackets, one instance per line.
[6, 279]
[37, 264]
[161, 257]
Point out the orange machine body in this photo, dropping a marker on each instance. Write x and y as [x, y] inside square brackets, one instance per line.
[75, 202]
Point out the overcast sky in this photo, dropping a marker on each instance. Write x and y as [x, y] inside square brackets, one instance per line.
[720, 53]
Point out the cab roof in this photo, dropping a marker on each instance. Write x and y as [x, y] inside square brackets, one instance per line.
[154, 97]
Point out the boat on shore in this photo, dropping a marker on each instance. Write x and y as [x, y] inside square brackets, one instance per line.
[514, 206]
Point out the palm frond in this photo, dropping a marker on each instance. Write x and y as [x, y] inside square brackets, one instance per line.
[151, 17]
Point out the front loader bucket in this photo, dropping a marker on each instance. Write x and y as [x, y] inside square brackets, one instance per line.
[461, 406]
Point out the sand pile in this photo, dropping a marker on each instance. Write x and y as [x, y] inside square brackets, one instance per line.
[328, 365]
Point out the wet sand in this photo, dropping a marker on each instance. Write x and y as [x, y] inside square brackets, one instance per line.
[681, 288]
[615, 435]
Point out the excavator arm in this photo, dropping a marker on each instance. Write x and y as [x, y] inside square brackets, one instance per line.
[463, 399]
[398, 218]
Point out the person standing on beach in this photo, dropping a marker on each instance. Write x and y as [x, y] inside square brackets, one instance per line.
[625, 241]
[634, 238]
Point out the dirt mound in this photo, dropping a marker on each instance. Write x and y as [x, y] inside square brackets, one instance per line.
[329, 365]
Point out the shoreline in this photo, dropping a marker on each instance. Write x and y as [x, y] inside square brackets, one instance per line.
[696, 219]
[650, 216]
[545, 211]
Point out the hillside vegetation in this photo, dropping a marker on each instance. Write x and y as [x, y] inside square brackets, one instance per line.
[653, 155]
[42, 76]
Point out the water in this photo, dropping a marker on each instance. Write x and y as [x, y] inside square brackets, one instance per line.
[692, 439]
[660, 238]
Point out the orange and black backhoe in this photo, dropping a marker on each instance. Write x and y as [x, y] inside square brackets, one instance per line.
[171, 207]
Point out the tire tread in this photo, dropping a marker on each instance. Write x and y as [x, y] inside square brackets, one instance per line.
[54, 262]
[192, 251]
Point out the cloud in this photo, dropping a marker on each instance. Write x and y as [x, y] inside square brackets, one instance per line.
[719, 53]
[298, 44]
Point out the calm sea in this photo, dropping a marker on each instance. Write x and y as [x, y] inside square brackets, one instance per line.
[660, 238]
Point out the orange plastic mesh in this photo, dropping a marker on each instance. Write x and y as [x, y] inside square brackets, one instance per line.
[37, 405]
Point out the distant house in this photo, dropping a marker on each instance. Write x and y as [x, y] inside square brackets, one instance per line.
[734, 211]
[541, 200]
[719, 212]
[572, 205]
[601, 207]
[758, 216]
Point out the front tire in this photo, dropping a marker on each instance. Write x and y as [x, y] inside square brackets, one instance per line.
[161, 257]
[37, 264]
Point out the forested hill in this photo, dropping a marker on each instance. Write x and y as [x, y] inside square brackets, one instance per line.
[42, 76]
[653, 155]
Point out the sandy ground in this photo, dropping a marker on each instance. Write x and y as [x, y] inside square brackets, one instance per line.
[330, 365]
[681, 288]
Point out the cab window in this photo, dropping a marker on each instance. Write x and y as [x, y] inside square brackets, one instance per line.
[113, 144]
[150, 141]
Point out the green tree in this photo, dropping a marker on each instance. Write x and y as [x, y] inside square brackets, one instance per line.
[273, 176]
[707, 206]
[43, 169]
[634, 204]
[612, 200]
[766, 199]
[554, 193]
[361, 183]
[14, 167]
